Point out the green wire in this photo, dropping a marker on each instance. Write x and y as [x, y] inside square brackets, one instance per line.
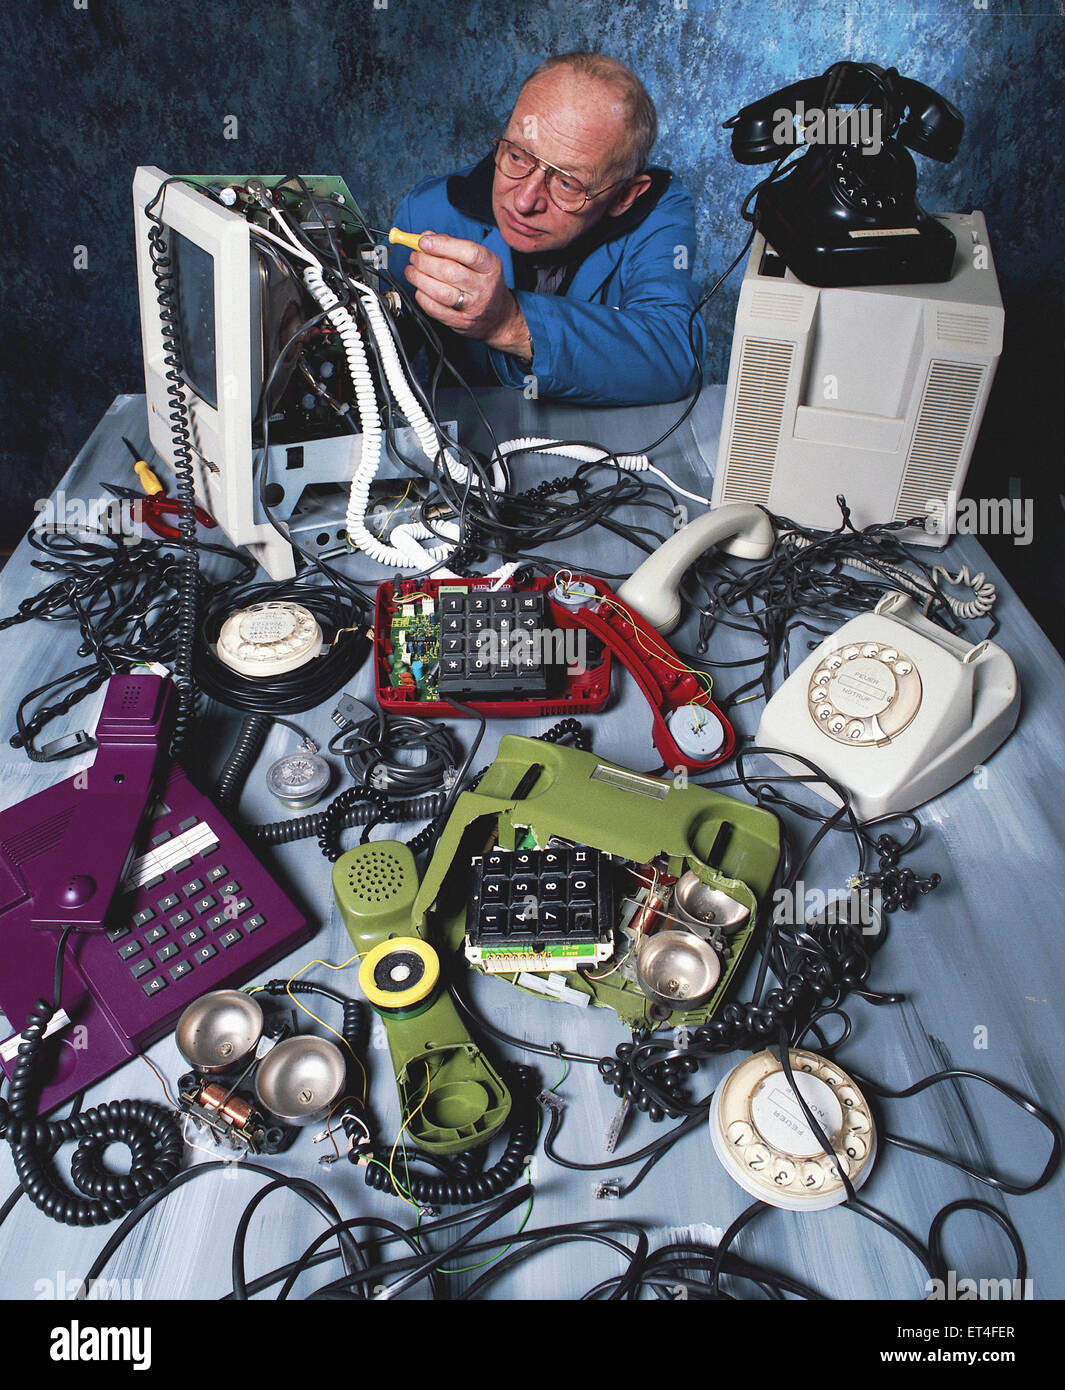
[466, 1269]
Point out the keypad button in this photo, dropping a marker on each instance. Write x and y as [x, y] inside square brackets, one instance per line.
[204, 904]
[162, 837]
[116, 933]
[494, 888]
[144, 915]
[581, 888]
[194, 886]
[582, 921]
[217, 920]
[203, 954]
[179, 971]
[154, 985]
[229, 889]
[254, 922]
[219, 871]
[129, 950]
[154, 934]
[167, 952]
[169, 902]
[193, 935]
[494, 920]
[141, 967]
[180, 918]
[188, 823]
[230, 938]
[554, 919]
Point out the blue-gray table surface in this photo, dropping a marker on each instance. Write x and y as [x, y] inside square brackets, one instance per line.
[979, 962]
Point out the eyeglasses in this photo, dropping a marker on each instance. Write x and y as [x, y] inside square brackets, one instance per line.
[567, 193]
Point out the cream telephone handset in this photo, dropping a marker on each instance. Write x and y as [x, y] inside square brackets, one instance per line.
[894, 708]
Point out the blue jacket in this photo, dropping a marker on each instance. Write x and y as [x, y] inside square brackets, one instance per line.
[617, 331]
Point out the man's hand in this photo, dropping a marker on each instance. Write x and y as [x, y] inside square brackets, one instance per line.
[461, 284]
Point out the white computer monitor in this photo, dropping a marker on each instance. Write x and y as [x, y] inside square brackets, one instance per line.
[238, 300]
[875, 393]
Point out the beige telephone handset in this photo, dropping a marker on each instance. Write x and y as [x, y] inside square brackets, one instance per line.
[894, 708]
[739, 528]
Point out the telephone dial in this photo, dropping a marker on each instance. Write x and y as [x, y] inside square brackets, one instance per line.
[766, 1144]
[893, 708]
[846, 212]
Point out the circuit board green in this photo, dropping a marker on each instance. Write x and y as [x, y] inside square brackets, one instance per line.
[415, 642]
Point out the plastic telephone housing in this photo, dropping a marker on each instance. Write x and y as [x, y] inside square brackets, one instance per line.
[653, 591]
[894, 708]
[451, 1097]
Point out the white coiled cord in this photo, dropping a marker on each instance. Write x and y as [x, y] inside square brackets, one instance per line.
[410, 555]
[586, 453]
[979, 606]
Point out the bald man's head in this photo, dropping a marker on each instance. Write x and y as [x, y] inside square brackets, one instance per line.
[588, 123]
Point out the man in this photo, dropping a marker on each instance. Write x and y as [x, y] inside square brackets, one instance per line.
[561, 256]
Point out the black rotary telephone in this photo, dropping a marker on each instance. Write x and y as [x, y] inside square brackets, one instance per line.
[846, 211]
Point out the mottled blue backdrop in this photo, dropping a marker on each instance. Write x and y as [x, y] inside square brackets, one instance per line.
[387, 91]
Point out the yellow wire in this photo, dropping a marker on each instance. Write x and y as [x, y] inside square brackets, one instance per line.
[394, 510]
[399, 1136]
[329, 966]
[665, 654]
[667, 657]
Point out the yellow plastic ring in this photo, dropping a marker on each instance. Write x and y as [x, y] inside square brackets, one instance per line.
[383, 986]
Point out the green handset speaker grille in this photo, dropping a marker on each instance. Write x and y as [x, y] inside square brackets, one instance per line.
[375, 886]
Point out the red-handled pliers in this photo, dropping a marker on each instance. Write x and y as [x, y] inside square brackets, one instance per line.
[152, 508]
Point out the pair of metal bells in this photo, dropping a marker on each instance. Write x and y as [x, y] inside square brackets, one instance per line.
[680, 968]
[299, 1080]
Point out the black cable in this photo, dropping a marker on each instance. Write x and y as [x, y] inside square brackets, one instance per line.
[184, 616]
[288, 692]
[348, 813]
[300, 1186]
[431, 1191]
[149, 1132]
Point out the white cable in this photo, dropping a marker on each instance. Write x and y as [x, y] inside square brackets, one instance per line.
[411, 556]
[984, 593]
[585, 453]
[402, 391]
[286, 246]
[979, 606]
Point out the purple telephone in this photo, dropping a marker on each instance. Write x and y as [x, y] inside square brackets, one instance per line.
[166, 899]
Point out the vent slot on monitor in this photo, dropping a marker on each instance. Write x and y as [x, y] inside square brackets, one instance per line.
[762, 388]
[967, 330]
[781, 308]
[944, 422]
